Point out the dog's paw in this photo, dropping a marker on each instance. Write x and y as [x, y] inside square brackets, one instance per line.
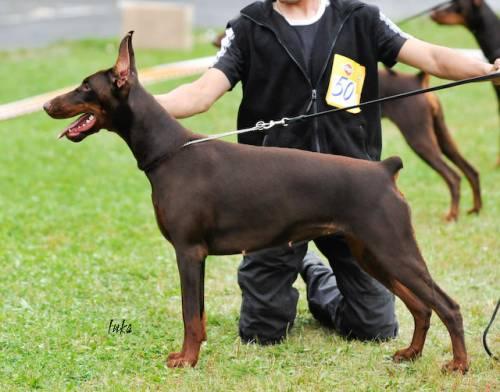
[175, 360]
[405, 355]
[451, 216]
[172, 356]
[474, 210]
[454, 365]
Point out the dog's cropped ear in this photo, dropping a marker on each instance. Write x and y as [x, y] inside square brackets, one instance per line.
[478, 3]
[124, 69]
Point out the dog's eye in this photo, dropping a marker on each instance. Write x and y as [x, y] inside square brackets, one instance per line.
[86, 87]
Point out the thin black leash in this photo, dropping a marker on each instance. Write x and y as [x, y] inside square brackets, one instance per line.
[400, 96]
[485, 334]
[427, 11]
[263, 126]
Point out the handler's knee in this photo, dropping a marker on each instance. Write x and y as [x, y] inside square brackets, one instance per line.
[372, 319]
[269, 301]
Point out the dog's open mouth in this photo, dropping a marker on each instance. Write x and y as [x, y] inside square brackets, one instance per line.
[78, 128]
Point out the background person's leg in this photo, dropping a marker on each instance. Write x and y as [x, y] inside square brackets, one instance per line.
[269, 301]
[358, 306]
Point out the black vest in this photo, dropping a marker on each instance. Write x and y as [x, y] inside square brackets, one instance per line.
[276, 84]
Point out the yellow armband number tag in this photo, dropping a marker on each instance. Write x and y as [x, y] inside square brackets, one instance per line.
[346, 83]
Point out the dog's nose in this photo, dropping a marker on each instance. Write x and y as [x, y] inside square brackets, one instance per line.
[46, 106]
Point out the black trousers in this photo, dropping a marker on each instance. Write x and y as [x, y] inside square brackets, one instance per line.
[342, 297]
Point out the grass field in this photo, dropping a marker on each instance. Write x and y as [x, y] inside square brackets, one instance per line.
[79, 246]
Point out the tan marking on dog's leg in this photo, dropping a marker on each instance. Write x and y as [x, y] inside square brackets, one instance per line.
[433, 101]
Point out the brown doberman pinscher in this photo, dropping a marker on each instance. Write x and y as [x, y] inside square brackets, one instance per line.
[482, 22]
[220, 198]
[421, 121]
[480, 19]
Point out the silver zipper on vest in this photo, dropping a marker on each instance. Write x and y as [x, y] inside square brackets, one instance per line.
[314, 96]
[314, 102]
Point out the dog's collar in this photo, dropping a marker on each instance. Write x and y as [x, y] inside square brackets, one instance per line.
[155, 162]
[146, 168]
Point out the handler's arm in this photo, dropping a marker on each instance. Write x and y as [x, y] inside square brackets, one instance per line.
[443, 62]
[196, 97]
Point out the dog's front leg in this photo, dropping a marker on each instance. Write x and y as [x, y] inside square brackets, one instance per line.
[191, 264]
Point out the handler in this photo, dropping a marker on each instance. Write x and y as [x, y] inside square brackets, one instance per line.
[304, 56]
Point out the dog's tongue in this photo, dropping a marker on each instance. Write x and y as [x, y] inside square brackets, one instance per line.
[82, 124]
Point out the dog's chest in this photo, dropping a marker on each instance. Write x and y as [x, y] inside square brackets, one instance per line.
[161, 218]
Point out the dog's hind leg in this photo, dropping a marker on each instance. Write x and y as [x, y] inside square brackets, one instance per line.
[414, 285]
[421, 316]
[451, 151]
[399, 264]
[191, 270]
[425, 144]
[421, 312]
[427, 291]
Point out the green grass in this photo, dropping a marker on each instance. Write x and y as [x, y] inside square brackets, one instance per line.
[79, 246]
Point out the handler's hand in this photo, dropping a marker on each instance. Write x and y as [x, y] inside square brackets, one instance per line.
[496, 68]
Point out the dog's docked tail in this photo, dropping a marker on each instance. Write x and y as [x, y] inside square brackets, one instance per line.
[393, 165]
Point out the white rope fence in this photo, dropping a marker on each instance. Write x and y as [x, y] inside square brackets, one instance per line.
[148, 76]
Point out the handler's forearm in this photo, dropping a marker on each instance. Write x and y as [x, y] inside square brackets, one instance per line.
[196, 97]
[451, 64]
[442, 62]
[182, 102]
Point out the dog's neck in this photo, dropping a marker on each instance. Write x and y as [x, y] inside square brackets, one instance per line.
[150, 132]
[486, 29]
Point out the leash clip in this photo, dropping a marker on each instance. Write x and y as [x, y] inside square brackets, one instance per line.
[283, 122]
[263, 126]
